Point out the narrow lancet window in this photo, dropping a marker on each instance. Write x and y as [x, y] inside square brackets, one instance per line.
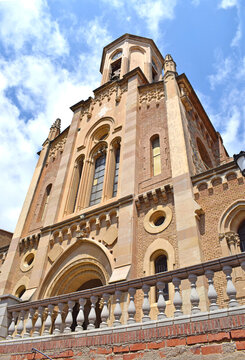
[77, 182]
[75, 185]
[45, 201]
[98, 180]
[115, 183]
[156, 158]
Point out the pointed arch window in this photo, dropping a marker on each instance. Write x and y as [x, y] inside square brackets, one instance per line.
[98, 180]
[75, 185]
[115, 182]
[161, 265]
[241, 233]
[156, 156]
[45, 201]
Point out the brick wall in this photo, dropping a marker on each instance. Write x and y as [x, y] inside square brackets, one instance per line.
[211, 339]
[152, 121]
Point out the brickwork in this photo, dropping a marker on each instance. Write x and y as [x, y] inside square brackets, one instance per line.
[220, 338]
[196, 129]
[144, 239]
[213, 202]
[5, 238]
[48, 176]
[153, 121]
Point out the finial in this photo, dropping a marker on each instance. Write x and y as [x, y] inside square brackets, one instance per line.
[54, 129]
[169, 64]
[57, 123]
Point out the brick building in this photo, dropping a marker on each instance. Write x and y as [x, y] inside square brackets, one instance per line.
[133, 224]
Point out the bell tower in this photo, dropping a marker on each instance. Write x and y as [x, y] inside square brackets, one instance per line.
[127, 53]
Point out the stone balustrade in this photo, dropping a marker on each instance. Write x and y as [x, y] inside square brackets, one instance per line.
[57, 315]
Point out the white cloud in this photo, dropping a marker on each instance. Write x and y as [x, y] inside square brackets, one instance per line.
[225, 4]
[29, 23]
[223, 68]
[35, 89]
[195, 2]
[234, 127]
[155, 11]
[151, 11]
[235, 41]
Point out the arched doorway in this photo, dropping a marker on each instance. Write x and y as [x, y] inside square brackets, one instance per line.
[84, 265]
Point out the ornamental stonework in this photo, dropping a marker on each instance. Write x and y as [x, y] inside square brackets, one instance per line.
[148, 94]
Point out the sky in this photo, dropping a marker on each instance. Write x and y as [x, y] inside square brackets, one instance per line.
[50, 53]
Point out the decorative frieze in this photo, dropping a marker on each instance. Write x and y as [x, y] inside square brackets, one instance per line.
[104, 95]
[151, 93]
[212, 180]
[55, 149]
[83, 228]
[29, 242]
[153, 195]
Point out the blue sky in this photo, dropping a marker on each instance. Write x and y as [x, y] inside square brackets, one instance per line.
[50, 54]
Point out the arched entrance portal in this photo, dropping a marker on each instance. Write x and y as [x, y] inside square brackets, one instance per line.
[84, 265]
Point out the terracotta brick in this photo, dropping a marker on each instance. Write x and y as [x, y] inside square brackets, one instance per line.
[212, 349]
[120, 349]
[196, 339]
[104, 351]
[238, 334]
[240, 345]
[130, 356]
[219, 337]
[175, 342]
[64, 354]
[137, 347]
[154, 345]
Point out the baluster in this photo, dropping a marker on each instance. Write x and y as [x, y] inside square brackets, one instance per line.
[92, 313]
[105, 311]
[38, 323]
[212, 294]
[117, 310]
[131, 306]
[11, 328]
[48, 321]
[80, 316]
[177, 298]
[146, 304]
[69, 318]
[58, 324]
[230, 289]
[20, 326]
[161, 304]
[29, 323]
[194, 297]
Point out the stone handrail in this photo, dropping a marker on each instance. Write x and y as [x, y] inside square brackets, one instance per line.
[55, 315]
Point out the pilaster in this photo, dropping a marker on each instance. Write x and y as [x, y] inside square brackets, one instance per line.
[185, 205]
[126, 232]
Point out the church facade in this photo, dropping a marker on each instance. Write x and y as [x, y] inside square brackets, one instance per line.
[140, 183]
